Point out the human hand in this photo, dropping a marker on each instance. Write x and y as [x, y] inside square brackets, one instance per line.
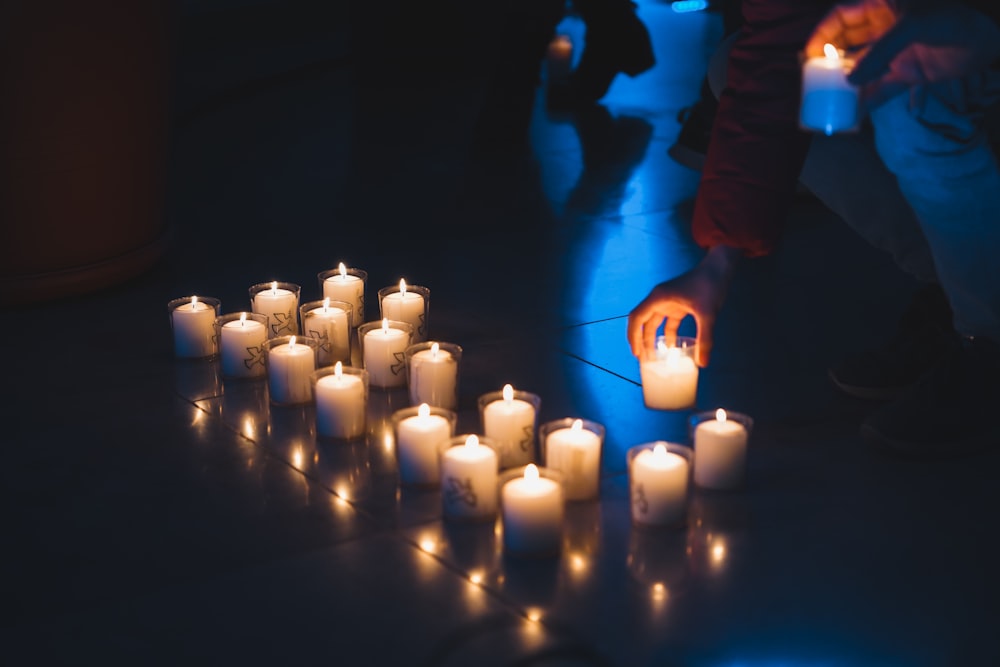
[700, 293]
[900, 51]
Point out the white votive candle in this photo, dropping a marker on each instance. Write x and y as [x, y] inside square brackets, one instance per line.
[418, 442]
[575, 452]
[670, 379]
[193, 324]
[469, 480]
[346, 285]
[279, 305]
[511, 422]
[532, 510]
[433, 377]
[720, 451]
[406, 305]
[242, 348]
[340, 404]
[385, 355]
[330, 327]
[658, 481]
[829, 102]
[289, 366]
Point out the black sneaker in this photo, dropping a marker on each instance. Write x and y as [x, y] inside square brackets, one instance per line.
[691, 145]
[922, 338]
[950, 413]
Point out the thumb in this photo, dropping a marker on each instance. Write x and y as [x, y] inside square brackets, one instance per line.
[876, 61]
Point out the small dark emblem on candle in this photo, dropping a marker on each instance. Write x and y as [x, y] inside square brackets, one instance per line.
[457, 491]
[639, 499]
[529, 436]
[283, 322]
[256, 357]
[422, 327]
[361, 307]
[322, 338]
[400, 364]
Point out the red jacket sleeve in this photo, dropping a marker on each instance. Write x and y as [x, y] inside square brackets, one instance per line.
[757, 148]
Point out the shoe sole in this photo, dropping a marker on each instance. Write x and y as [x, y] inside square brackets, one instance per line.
[867, 393]
[687, 157]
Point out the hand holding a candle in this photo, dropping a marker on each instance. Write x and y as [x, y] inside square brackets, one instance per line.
[699, 293]
[938, 43]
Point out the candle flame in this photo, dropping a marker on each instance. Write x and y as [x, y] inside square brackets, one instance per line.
[720, 415]
[661, 348]
[385, 325]
[435, 348]
[673, 355]
[343, 270]
[831, 52]
[243, 319]
[194, 303]
[326, 305]
[274, 286]
[338, 369]
[577, 425]
[424, 410]
[402, 287]
[472, 441]
[531, 471]
[508, 393]
[660, 453]
[291, 341]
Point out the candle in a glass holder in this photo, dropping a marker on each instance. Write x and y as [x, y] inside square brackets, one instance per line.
[349, 287]
[289, 367]
[559, 59]
[193, 324]
[658, 481]
[331, 327]
[406, 305]
[720, 450]
[385, 355]
[418, 441]
[576, 453]
[829, 101]
[469, 480]
[340, 404]
[532, 510]
[242, 347]
[279, 305]
[670, 379]
[511, 422]
[433, 377]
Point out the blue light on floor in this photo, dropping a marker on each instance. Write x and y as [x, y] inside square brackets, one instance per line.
[685, 6]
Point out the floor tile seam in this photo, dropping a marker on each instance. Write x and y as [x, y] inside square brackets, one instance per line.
[241, 92]
[271, 454]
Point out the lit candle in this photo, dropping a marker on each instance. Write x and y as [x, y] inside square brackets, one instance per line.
[418, 441]
[433, 377]
[532, 510]
[469, 480]
[511, 422]
[289, 366]
[559, 57]
[829, 102]
[670, 379]
[385, 355]
[340, 404]
[658, 481]
[193, 324]
[330, 327]
[720, 450]
[242, 342]
[347, 285]
[406, 305]
[576, 453]
[279, 305]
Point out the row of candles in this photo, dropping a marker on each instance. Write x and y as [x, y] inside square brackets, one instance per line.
[478, 475]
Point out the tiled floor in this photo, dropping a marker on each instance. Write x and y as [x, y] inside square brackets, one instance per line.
[155, 514]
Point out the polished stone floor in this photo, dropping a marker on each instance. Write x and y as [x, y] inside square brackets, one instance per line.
[157, 515]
